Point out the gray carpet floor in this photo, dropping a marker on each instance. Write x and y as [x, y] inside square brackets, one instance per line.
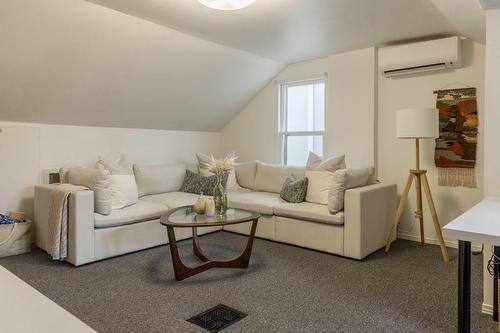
[285, 289]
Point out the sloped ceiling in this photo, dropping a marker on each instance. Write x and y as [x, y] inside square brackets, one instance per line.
[175, 64]
[74, 62]
[295, 30]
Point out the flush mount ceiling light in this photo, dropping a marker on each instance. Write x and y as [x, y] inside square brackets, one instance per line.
[226, 4]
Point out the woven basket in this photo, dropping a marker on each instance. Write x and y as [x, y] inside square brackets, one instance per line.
[15, 238]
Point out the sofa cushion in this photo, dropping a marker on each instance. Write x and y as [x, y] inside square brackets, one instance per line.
[307, 211]
[139, 212]
[260, 202]
[172, 199]
[346, 179]
[154, 179]
[271, 177]
[245, 174]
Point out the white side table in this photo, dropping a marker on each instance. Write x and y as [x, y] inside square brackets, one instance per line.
[480, 224]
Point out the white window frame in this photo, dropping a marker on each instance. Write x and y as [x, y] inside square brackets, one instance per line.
[283, 132]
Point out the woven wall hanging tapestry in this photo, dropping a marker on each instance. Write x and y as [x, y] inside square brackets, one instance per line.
[455, 154]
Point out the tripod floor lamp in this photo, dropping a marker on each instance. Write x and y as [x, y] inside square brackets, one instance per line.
[417, 124]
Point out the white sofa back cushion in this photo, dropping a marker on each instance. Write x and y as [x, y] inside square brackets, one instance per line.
[346, 179]
[245, 174]
[271, 177]
[155, 179]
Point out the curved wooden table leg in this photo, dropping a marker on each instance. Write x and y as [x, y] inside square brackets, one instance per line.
[182, 271]
[196, 246]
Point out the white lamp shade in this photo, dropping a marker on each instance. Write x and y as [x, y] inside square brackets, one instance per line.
[417, 123]
[227, 4]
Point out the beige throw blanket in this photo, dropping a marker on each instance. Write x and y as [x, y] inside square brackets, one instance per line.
[57, 238]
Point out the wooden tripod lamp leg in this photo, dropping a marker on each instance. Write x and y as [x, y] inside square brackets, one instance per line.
[435, 219]
[419, 212]
[399, 212]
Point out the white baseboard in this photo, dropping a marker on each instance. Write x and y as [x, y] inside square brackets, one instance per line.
[428, 240]
[487, 309]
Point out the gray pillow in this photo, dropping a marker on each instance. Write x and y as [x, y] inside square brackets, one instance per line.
[294, 189]
[197, 184]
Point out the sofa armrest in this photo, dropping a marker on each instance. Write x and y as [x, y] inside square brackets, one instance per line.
[368, 211]
[80, 223]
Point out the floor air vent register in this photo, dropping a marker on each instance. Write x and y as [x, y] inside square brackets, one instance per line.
[217, 318]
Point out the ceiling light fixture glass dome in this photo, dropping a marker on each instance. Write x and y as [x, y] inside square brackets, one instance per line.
[227, 4]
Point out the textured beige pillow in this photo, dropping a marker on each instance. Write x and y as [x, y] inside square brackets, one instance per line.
[97, 180]
[320, 172]
[346, 179]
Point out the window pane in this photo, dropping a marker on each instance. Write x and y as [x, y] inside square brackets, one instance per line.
[305, 107]
[298, 148]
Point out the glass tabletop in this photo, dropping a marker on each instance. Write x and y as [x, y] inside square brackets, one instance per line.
[186, 217]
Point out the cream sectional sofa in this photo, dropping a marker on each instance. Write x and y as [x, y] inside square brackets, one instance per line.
[355, 232]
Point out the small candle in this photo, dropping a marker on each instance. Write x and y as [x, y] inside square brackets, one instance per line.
[209, 207]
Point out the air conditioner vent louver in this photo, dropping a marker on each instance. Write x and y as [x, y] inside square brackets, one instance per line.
[420, 57]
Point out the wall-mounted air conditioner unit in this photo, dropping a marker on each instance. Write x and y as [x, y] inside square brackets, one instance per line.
[420, 57]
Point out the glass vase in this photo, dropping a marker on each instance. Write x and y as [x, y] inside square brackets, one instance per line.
[220, 197]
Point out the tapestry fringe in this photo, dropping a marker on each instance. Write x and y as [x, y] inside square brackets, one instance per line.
[457, 177]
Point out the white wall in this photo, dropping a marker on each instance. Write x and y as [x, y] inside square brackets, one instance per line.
[29, 149]
[491, 129]
[350, 111]
[396, 156]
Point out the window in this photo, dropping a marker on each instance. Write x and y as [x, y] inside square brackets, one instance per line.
[302, 115]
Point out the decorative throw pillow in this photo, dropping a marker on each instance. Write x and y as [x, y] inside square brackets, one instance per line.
[119, 167]
[346, 179]
[123, 185]
[294, 189]
[97, 180]
[332, 164]
[198, 184]
[203, 160]
[319, 173]
[319, 183]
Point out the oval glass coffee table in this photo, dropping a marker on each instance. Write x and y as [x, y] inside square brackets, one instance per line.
[185, 217]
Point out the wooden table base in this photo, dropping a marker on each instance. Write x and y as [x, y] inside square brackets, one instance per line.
[182, 271]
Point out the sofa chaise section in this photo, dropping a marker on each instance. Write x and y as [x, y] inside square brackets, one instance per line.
[355, 232]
